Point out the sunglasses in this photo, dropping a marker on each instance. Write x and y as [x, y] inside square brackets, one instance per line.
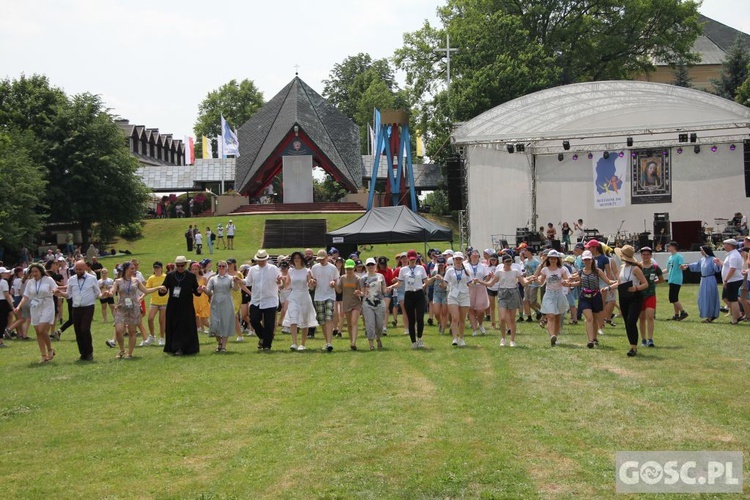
[368, 265]
[222, 265]
[179, 265]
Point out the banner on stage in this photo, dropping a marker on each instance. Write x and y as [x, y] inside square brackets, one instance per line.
[651, 176]
[609, 180]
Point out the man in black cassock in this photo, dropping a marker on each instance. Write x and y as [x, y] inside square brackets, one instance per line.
[181, 329]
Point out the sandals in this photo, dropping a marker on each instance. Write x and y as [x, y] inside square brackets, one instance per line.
[120, 355]
[51, 355]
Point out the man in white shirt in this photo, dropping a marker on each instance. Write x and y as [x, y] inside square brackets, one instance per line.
[325, 276]
[83, 290]
[264, 279]
[731, 275]
[231, 228]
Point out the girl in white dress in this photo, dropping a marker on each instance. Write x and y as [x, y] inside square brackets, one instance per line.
[554, 304]
[300, 312]
[39, 292]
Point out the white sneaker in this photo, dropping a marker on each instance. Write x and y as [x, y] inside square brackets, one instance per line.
[455, 342]
[474, 333]
[461, 343]
[245, 330]
[161, 341]
[385, 329]
[502, 342]
[482, 330]
[512, 344]
[239, 339]
[151, 339]
[301, 348]
[294, 347]
[420, 343]
[414, 345]
[599, 332]
[146, 342]
[406, 332]
[286, 329]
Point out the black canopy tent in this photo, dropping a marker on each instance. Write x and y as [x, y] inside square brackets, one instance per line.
[388, 225]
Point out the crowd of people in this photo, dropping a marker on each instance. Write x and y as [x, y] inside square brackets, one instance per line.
[309, 291]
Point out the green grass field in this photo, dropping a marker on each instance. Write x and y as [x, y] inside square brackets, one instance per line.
[481, 421]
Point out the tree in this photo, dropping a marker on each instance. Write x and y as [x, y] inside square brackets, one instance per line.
[93, 173]
[734, 70]
[743, 92]
[350, 79]
[23, 183]
[236, 101]
[327, 190]
[438, 202]
[509, 48]
[682, 75]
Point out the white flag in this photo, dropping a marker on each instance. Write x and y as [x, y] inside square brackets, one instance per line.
[220, 146]
[231, 144]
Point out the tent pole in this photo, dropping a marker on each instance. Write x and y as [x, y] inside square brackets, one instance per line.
[533, 192]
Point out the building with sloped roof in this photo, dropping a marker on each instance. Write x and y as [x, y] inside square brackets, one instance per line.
[150, 147]
[712, 47]
[297, 121]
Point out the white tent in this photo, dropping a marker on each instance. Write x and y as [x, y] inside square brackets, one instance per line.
[535, 186]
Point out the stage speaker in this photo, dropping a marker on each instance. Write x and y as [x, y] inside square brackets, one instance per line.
[455, 178]
[746, 148]
[662, 231]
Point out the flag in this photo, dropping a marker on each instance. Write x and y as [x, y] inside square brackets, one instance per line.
[231, 144]
[189, 151]
[420, 144]
[371, 138]
[207, 153]
[220, 147]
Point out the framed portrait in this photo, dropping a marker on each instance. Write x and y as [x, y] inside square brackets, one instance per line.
[651, 176]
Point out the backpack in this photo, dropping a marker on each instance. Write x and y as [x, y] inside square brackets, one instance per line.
[213, 236]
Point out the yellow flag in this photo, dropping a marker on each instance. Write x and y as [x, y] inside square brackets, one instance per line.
[206, 148]
[420, 144]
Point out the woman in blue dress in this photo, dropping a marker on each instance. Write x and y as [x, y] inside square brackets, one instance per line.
[708, 293]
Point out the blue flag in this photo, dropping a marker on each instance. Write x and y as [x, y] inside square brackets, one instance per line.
[229, 138]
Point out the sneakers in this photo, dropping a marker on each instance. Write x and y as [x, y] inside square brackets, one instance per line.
[110, 343]
[414, 345]
[596, 341]
[474, 333]
[461, 343]
[353, 347]
[683, 315]
[329, 347]
[301, 348]
[420, 343]
[599, 332]
[293, 347]
[502, 342]
[644, 343]
[529, 320]
[539, 315]
[385, 329]
[455, 342]
[429, 321]
[553, 340]
[512, 344]
[590, 345]
[161, 342]
[285, 329]
[651, 343]
[406, 332]
[676, 317]
[482, 330]
[239, 338]
[632, 353]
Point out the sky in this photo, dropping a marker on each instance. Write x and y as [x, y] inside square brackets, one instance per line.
[154, 62]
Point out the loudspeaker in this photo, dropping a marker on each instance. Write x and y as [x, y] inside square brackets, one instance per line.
[455, 183]
[746, 149]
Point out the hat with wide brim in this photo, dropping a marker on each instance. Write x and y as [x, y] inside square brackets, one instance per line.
[261, 255]
[626, 254]
[180, 259]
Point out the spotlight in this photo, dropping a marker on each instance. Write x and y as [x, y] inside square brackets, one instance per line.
[566, 145]
[682, 137]
[575, 157]
[697, 149]
[510, 148]
[560, 157]
[664, 152]
[606, 155]
[629, 141]
[633, 154]
[590, 156]
[693, 137]
[714, 148]
[621, 154]
[679, 151]
[732, 147]
[520, 148]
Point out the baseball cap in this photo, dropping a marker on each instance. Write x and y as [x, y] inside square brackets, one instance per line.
[333, 250]
[587, 255]
[592, 244]
[370, 262]
[411, 254]
[349, 264]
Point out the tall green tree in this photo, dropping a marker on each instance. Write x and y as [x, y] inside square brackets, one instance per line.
[734, 70]
[743, 92]
[681, 72]
[23, 181]
[93, 175]
[236, 101]
[509, 48]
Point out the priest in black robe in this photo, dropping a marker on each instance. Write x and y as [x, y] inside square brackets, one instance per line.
[181, 329]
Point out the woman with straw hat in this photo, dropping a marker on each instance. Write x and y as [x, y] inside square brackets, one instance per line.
[632, 282]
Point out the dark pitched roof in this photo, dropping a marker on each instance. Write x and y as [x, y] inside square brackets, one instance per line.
[389, 225]
[333, 132]
[721, 34]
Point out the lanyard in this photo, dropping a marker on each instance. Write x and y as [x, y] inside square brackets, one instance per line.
[80, 286]
[38, 284]
[459, 274]
[411, 270]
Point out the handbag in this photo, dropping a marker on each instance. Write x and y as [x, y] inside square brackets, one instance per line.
[623, 291]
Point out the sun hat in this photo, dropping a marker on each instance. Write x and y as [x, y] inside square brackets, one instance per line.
[180, 259]
[626, 254]
[322, 255]
[449, 262]
[731, 241]
[587, 255]
[458, 255]
[3, 270]
[569, 259]
[333, 250]
[370, 262]
[553, 253]
[382, 259]
[349, 264]
[281, 258]
[411, 254]
[645, 249]
[261, 255]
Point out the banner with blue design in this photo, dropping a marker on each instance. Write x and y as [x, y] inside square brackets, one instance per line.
[610, 171]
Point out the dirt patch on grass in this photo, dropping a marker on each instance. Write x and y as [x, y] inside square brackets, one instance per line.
[555, 475]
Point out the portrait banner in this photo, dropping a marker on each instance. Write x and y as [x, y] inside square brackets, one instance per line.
[651, 174]
[609, 180]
